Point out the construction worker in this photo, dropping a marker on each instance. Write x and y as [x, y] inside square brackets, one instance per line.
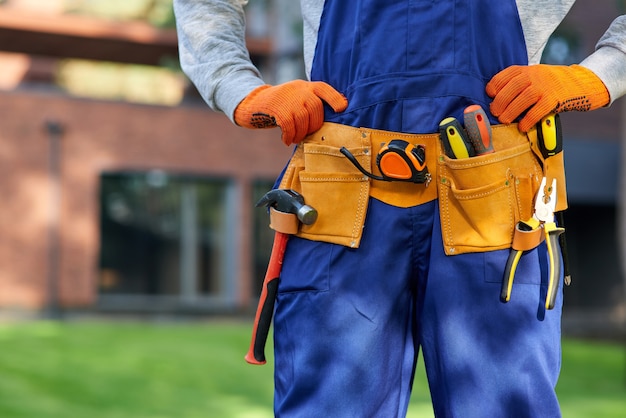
[391, 267]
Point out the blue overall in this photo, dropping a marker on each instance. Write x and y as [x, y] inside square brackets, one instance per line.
[349, 322]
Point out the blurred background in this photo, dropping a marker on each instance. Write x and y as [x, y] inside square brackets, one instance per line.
[126, 197]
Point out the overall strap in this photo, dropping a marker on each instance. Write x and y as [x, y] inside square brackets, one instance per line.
[406, 65]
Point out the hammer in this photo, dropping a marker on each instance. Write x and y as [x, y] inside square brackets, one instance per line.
[283, 201]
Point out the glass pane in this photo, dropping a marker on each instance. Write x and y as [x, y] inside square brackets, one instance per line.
[160, 234]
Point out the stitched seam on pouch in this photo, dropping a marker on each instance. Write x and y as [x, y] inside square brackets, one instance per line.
[489, 161]
[360, 210]
[403, 136]
[518, 198]
[446, 215]
[331, 153]
[483, 194]
[320, 179]
[511, 215]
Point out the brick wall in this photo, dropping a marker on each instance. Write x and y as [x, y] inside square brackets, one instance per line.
[103, 136]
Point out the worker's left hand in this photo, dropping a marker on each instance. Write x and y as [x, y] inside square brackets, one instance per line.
[542, 89]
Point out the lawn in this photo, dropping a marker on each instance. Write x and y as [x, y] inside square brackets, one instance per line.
[81, 369]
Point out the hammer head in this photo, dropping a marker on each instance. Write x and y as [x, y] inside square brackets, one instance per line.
[289, 201]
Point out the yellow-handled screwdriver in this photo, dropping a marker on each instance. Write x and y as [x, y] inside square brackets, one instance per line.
[455, 142]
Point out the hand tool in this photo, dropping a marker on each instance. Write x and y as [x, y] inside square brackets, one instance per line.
[455, 142]
[514, 257]
[289, 201]
[286, 201]
[550, 142]
[478, 129]
[567, 276]
[397, 160]
[545, 203]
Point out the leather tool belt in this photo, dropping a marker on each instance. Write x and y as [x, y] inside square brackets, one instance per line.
[481, 198]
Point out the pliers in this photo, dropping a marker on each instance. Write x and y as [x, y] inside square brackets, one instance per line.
[545, 204]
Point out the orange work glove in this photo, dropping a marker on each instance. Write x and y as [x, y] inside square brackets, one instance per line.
[296, 107]
[543, 89]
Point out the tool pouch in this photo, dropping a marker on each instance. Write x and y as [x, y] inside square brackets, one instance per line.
[339, 191]
[331, 184]
[482, 198]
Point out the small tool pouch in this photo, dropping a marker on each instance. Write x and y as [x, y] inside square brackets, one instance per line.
[287, 223]
[331, 184]
[527, 236]
[482, 198]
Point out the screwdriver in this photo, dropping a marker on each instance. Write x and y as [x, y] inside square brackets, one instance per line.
[478, 128]
[454, 139]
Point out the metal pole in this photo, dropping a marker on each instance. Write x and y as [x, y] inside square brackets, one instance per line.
[55, 131]
[189, 238]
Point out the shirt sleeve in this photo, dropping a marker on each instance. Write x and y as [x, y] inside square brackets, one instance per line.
[212, 51]
[609, 60]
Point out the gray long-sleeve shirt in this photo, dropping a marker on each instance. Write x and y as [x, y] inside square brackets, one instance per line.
[214, 56]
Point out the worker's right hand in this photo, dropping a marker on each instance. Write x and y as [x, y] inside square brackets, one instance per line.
[296, 107]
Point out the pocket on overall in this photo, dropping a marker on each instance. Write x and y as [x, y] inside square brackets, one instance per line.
[336, 189]
[482, 198]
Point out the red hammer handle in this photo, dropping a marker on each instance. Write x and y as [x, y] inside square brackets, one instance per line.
[265, 309]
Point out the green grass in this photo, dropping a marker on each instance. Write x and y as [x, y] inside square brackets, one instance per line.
[187, 370]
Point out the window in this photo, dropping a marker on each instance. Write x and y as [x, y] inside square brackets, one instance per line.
[165, 235]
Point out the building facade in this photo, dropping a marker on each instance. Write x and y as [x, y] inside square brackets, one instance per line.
[112, 205]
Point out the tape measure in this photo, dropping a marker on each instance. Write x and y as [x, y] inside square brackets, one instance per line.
[397, 160]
